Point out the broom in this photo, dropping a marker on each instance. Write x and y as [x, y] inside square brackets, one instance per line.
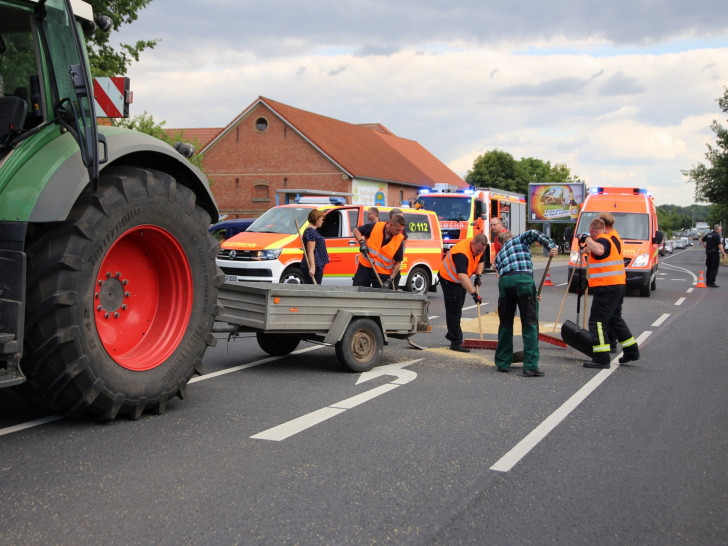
[480, 343]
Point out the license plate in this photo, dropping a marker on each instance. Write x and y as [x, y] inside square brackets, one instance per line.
[231, 278]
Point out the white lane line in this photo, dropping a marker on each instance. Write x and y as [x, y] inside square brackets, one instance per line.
[689, 290]
[299, 424]
[522, 448]
[682, 270]
[679, 301]
[281, 432]
[51, 418]
[433, 317]
[250, 365]
[473, 306]
[678, 279]
[30, 424]
[660, 320]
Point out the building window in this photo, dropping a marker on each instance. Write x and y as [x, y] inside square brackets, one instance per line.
[260, 191]
[261, 124]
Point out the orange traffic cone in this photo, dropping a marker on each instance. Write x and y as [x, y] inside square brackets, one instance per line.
[548, 279]
[701, 281]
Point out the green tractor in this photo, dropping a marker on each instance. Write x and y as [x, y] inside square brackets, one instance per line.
[108, 283]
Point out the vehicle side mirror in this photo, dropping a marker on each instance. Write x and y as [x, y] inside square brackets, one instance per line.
[569, 233]
[657, 239]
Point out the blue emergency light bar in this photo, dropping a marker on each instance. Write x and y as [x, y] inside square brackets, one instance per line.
[619, 191]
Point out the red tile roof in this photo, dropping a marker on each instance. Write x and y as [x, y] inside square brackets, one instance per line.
[368, 151]
[203, 136]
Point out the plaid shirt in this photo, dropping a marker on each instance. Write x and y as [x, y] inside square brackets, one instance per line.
[516, 254]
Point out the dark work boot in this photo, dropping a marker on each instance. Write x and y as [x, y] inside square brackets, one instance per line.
[632, 355]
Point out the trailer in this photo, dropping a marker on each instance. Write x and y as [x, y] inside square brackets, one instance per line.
[357, 321]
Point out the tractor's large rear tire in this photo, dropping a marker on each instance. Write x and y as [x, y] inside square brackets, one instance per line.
[121, 297]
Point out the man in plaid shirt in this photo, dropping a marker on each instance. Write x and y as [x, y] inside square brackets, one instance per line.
[517, 289]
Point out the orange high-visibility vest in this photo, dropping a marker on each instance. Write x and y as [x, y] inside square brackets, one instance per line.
[610, 270]
[448, 271]
[381, 255]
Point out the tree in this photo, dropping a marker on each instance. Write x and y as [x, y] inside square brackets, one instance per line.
[145, 123]
[711, 178]
[105, 60]
[497, 169]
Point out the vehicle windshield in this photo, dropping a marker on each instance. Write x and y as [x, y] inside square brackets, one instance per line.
[454, 209]
[281, 220]
[629, 225]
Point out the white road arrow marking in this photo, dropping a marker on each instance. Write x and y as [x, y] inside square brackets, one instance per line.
[403, 376]
[288, 429]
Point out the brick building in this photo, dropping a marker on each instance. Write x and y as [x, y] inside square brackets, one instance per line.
[273, 153]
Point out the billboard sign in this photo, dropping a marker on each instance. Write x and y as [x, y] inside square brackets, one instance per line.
[554, 203]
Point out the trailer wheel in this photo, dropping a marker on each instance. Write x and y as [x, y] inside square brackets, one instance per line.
[418, 281]
[277, 344]
[360, 349]
[292, 275]
[121, 297]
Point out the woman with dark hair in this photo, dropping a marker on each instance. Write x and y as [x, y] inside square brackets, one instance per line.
[315, 252]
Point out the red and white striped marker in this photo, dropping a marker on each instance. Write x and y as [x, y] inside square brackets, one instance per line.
[112, 97]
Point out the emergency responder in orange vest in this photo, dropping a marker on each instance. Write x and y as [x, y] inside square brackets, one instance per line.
[607, 287]
[462, 261]
[383, 242]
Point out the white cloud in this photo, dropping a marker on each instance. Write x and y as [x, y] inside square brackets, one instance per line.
[617, 92]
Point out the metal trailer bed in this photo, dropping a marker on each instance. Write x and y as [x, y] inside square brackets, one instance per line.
[357, 321]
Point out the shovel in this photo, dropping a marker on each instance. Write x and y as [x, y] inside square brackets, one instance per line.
[379, 279]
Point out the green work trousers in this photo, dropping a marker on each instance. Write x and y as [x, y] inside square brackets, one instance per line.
[517, 292]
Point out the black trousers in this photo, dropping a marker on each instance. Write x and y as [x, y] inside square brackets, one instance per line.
[606, 315]
[454, 295]
[712, 262]
[366, 276]
[307, 279]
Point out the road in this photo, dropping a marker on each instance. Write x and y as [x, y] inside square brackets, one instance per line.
[432, 447]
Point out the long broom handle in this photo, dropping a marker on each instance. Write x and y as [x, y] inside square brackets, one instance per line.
[305, 254]
[586, 292]
[546, 272]
[568, 285]
[480, 325]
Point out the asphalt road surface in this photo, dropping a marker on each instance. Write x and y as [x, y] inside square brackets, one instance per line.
[431, 447]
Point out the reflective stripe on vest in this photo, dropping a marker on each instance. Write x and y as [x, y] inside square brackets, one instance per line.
[610, 270]
[382, 256]
[448, 270]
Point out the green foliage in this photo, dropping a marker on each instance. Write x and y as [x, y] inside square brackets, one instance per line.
[711, 178]
[145, 123]
[672, 218]
[105, 60]
[498, 169]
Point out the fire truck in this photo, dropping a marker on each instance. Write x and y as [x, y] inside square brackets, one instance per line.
[465, 213]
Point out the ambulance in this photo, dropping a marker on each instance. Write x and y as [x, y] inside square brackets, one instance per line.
[635, 219]
[465, 213]
[270, 249]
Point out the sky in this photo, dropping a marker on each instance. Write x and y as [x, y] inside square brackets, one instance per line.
[622, 92]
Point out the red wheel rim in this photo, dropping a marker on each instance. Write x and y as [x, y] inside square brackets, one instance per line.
[143, 298]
